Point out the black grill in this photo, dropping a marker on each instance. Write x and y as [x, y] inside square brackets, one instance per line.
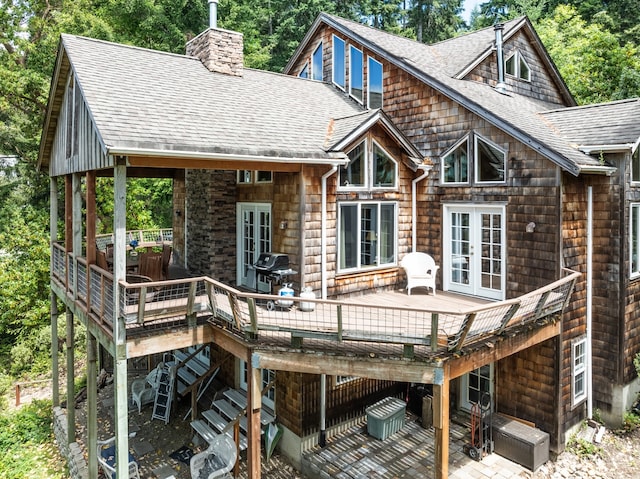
[270, 262]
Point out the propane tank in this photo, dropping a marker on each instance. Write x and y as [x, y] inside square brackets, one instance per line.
[285, 292]
[307, 293]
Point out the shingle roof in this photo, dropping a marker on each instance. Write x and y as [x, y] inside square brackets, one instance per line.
[606, 124]
[145, 99]
[515, 114]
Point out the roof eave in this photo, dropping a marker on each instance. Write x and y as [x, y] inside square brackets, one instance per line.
[332, 158]
[598, 170]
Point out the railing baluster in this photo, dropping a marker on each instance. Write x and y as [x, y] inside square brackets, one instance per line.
[339, 311]
[434, 332]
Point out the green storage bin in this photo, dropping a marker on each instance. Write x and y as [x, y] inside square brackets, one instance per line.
[385, 417]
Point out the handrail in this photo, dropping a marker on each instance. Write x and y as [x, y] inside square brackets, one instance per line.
[334, 322]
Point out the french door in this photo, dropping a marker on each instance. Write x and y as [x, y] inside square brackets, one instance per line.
[475, 384]
[474, 250]
[254, 238]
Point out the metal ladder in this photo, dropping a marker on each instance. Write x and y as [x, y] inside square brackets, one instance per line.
[164, 394]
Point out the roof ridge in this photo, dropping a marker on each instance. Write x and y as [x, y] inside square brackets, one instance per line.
[125, 45]
[592, 105]
[474, 32]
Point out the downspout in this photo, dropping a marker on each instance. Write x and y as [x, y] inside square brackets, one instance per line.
[589, 299]
[414, 203]
[323, 240]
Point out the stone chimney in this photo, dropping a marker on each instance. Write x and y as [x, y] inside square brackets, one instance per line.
[219, 50]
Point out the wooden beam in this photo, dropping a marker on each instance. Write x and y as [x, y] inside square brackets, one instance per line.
[71, 410]
[372, 368]
[169, 340]
[254, 404]
[92, 399]
[211, 164]
[90, 203]
[500, 348]
[441, 426]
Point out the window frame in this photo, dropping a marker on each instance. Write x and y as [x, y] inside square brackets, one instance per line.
[476, 161]
[375, 144]
[360, 73]
[334, 62]
[579, 370]
[634, 237]
[313, 72]
[635, 166]
[465, 139]
[258, 179]
[518, 60]
[359, 267]
[371, 60]
[244, 177]
[365, 172]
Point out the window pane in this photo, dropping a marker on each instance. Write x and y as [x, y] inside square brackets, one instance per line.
[353, 173]
[384, 168]
[339, 70]
[375, 83]
[510, 65]
[455, 165]
[635, 165]
[525, 73]
[387, 234]
[263, 177]
[369, 235]
[355, 73]
[304, 73]
[244, 176]
[490, 162]
[316, 63]
[348, 236]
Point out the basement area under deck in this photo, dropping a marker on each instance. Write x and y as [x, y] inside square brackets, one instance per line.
[390, 336]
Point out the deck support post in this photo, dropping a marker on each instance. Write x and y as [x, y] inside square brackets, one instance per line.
[254, 376]
[119, 330]
[441, 425]
[71, 410]
[92, 399]
[53, 235]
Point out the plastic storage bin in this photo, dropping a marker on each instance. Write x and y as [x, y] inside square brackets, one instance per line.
[385, 417]
[518, 442]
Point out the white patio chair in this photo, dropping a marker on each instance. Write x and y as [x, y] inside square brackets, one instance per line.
[143, 391]
[215, 461]
[421, 270]
[107, 460]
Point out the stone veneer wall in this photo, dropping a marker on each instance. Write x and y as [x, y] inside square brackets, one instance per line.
[78, 468]
[219, 50]
[211, 223]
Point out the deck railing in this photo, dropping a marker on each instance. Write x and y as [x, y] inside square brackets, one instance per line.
[145, 238]
[271, 319]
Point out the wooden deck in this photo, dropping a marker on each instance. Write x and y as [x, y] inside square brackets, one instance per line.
[390, 323]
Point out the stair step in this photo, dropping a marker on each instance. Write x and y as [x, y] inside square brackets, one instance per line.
[239, 400]
[194, 364]
[203, 429]
[225, 408]
[219, 423]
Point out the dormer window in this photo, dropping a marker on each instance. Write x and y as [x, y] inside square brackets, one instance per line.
[489, 162]
[635, 166]
[304, 73]
[374, 86]
[516, 66]
[339, 65]
[355, 73]
[316, 63]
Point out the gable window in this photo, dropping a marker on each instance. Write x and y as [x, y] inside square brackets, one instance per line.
[374, 86]
[355, 73]
[516, 66]
[455, 163]
[339, 66]
[635, 165]
[490, 161]
[316, 63]
[304, 73]
[366, 235]
[578, 371]
[353, 174]
[384, 169]
[634, 230]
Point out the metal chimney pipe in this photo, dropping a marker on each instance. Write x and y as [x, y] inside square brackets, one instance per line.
[213, 13]
[501, 86]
